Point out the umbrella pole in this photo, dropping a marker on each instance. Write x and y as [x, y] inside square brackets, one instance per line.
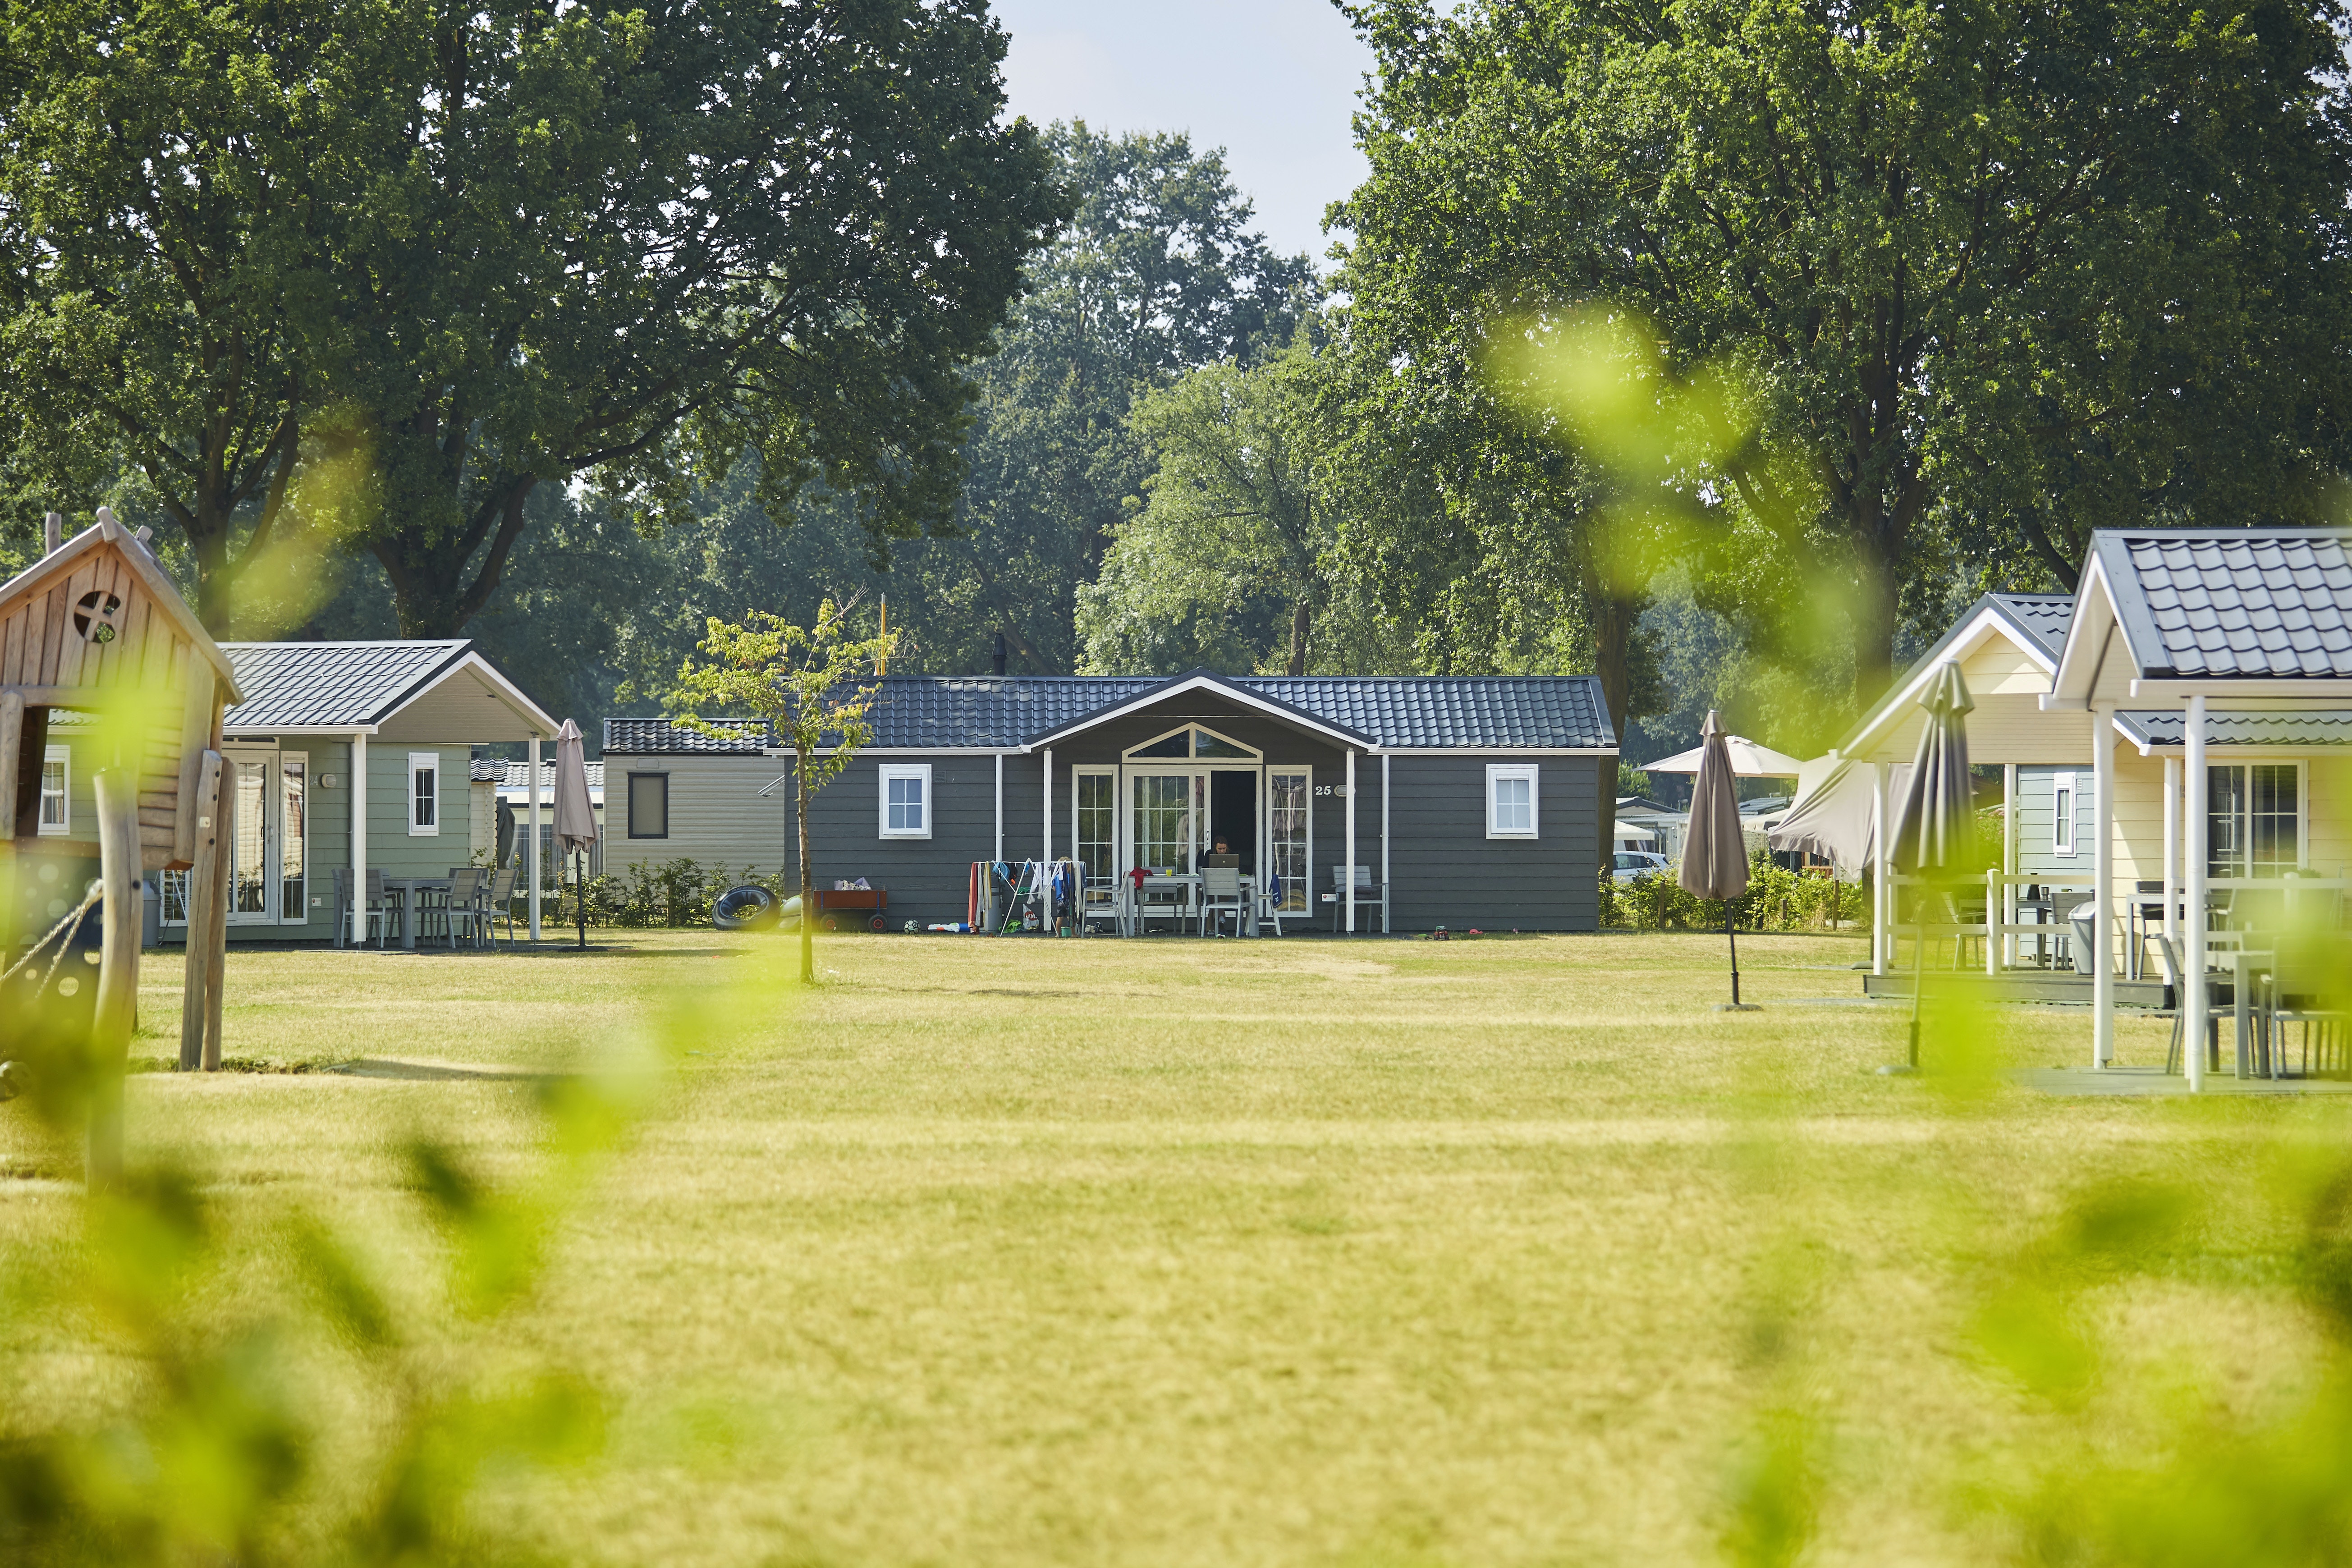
[1918, 981]
[580, 892]
[1732, 937]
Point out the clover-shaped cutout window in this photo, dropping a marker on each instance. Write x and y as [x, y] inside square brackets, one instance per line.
[94, 614]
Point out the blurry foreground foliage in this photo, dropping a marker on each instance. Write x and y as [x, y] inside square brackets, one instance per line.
[359, 1414]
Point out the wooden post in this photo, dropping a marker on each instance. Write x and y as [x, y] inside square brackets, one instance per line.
[216, 945]
[12, 742]
[201, 914]
[53, 533]
[117, 791]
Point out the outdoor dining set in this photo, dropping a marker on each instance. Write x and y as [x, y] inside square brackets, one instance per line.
[463, 905]
[1218, 901]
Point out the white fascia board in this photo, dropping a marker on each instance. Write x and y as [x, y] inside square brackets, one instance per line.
[344, 730]
[1247, 699]
[870, 751]
[1495, 751]
[2070, 682]
[2329, 692]
[1895, 706]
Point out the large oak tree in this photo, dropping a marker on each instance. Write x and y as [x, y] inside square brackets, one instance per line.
[2026, 269]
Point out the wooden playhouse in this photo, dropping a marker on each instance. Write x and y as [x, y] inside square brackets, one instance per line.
[96, 627]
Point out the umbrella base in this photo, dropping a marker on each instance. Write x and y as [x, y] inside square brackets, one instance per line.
[1897, 1069]
[1740, 1007]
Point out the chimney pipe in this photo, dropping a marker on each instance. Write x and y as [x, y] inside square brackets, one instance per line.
[53, 533]
[1000, 653]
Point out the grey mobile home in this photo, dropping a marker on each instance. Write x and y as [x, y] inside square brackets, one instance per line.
[1469, 801]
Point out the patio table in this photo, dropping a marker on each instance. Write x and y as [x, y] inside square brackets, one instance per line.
[409, 888]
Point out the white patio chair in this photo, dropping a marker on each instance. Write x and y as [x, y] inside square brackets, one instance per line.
[1370, 895]
[1167, 897]
[1221, 895]
[1098, 900]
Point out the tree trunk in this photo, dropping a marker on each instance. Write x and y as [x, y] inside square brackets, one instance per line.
[1299, 622]
[808, 878]
[437, 589]
[1876, 549]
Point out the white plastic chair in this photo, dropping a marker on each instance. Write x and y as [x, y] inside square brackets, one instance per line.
[1221, 895]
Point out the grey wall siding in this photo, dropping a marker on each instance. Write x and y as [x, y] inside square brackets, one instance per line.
[927, 877]
[1445, 870]
[2037, 797]
[717, 815]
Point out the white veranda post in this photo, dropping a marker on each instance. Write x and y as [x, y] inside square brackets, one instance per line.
[1881, 860]
[359, 840]
[1349, 875]
[2192, 966]
[2103, 877]
[2173, 855]
[2007, 945]
[534, 838]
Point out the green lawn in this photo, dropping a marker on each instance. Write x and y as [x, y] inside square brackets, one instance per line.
[1503, 1252]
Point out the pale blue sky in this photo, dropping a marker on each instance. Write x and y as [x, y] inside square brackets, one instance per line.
[1271, 81]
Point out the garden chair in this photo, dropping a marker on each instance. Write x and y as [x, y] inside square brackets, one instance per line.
[1370, 895]
[378, 911]
[1221, 895]
[465, 909]
[1098, 900]
[500, 898]
[2217, 993]
[2307, 983]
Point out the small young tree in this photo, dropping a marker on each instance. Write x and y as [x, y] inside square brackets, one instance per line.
[805, 682]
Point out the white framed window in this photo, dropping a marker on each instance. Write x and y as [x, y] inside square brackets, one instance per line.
[2255, 819]
[2061, 813]
[1510, 800]
[424, 795]
[906, 800]
[648, 806]
[56, 801]
[1094, 821]
[294, 838]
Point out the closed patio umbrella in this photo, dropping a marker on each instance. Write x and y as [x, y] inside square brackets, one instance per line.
[575, 814]
[1936, 833]
[1715, 854]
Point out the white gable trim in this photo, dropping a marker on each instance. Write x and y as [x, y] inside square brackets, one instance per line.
[506, 691]
[1966, 642]
[2089, 640]
[1239, 694]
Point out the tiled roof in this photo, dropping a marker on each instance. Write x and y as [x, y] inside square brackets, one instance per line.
[2268, 603]
[1000, 713]
[2315, 727]
[328, 683]
[517, 774]
[2044, 616]
[659, 737]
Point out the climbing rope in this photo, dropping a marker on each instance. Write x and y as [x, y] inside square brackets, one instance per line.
[89, 901]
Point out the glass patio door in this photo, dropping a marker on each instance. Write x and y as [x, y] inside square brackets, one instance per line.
[1168, 812]
[253, 863]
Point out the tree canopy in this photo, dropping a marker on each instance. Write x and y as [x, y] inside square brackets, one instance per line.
[2011, 271]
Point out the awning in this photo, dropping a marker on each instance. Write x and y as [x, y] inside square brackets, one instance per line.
[1626, 833]
[1838, 821]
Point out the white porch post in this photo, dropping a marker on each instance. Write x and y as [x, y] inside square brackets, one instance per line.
[534, 838]
[1388, 894]
[1882, 897]
[2172, 854]
[1048, 853]
[2009, 860]
[2193, 999]
[1000, 807]
[359, 840]
[1349, 875]
[2102, 873]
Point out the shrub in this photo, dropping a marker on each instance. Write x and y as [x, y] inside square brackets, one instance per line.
[1777, 900]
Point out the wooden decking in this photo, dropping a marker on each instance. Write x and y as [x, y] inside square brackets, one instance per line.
[2061, 988]
[2146, 1082]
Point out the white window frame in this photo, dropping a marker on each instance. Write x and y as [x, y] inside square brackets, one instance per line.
[1097, 770]
[63, 827]
[2302, 766]
[300, 824]
[417, 763]
[2063, 803]
[1528, 770]
[891, 771]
